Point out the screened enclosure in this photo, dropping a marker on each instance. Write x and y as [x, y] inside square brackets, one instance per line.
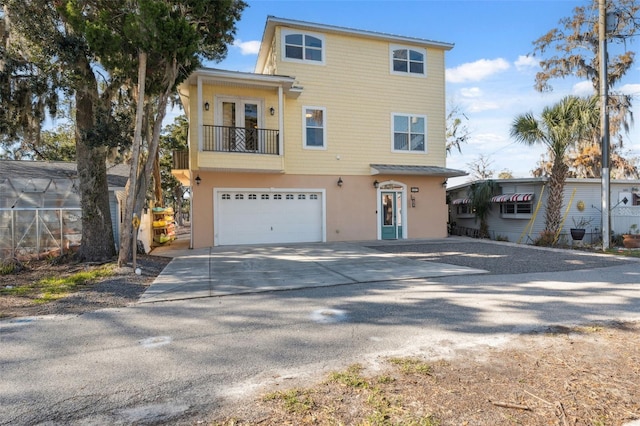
[39, 217]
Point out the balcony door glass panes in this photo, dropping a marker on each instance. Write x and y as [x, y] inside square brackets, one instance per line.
[240, 122]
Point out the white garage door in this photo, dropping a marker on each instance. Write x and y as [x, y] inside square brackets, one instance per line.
[257, 217]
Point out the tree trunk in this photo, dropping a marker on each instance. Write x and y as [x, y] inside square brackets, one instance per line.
[157, 181]
[131, 189]
[97, 233]
[553, 216]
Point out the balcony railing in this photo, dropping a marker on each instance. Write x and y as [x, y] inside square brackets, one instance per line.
[181, 160]
[239, 139]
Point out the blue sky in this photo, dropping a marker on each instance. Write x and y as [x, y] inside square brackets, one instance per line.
[489, 75]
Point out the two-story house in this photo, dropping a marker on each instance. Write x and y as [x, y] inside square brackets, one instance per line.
[338, 135]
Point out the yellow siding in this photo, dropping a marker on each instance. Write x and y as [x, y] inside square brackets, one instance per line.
[360, 94]
[240, 161]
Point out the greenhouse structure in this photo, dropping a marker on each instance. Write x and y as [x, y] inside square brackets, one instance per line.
[40, 212]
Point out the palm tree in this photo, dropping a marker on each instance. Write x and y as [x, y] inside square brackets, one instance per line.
[559, 127]
[480, 194]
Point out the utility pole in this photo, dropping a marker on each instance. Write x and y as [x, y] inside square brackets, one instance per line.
[604, 125]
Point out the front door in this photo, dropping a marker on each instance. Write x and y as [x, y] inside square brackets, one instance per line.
[391, 207]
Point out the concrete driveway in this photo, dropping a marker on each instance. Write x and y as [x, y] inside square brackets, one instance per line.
[183, 361]
[220, 271]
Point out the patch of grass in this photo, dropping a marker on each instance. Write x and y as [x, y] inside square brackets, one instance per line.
[412, 366]
[351, 377]
[56, 287]
[294, 401]
[385, 380]
[625, 252]
[10, 266]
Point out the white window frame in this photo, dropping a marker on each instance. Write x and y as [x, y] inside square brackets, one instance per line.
[324, 127]
[284, 33]
[393, 132]
[423, 52]
[516, 214]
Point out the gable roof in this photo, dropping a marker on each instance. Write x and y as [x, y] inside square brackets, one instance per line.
[117, 175]
[273, 22]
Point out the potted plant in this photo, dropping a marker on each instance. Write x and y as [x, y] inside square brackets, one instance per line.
[632, 239]
[579, 228]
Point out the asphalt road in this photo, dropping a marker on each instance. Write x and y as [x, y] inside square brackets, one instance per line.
[182, 361]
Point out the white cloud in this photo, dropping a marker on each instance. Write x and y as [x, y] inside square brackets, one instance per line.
[479, 106]
[247, 47]
[471, 92]
[489, 140]
[526, 62]
[584, 88]
[476, 71]
[630, 89]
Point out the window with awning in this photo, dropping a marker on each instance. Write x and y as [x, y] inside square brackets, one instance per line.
[512, 198]
[461, 201]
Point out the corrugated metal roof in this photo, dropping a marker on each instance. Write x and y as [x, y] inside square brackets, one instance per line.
[397, 169]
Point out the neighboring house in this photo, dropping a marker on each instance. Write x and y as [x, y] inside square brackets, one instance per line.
[518, 208]
[338, 135]
[40, 209]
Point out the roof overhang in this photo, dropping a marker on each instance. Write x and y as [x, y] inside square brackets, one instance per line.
[409, 170]
[273, 22]
[238, 79]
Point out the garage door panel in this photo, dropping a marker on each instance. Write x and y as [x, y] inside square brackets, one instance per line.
[254, 217]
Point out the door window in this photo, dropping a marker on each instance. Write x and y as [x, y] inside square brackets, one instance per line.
[387, 209]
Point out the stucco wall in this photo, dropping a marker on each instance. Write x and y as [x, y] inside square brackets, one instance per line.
[351, 210]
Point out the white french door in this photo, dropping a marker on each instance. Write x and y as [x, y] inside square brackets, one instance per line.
[241, 119]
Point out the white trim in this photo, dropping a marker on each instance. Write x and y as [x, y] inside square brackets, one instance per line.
[393, 131]
[216, 215]
[280, 122]
[404, 216]
[200, 119]
[285, 32]
[408, 73]
[324, 128]
[219, 99]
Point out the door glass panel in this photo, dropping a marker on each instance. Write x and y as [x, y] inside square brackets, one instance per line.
[229, 122]
[251, 126]
[387, 210]
[399, 209]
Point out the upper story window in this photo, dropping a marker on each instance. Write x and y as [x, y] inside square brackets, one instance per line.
[408, 60]
[303, 47]
[314, 127]
[409, 133]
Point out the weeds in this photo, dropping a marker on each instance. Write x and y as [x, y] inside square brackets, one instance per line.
[295, 401]
[56, 287]
[412, 366]
[350, 378]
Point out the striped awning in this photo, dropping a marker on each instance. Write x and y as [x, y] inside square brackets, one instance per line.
[461, 201]
[512, 198]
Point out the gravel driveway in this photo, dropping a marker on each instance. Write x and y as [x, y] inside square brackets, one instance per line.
[501, 258]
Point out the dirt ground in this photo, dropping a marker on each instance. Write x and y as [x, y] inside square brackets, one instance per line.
[583, 375]
[121, 289]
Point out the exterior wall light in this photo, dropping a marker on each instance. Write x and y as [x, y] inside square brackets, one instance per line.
[376, 183]
[272, 110]
[444, 183]
[198, 180]
[340, 181]
[206, 106]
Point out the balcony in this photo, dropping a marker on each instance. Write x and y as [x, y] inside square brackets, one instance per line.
[240, 140]
[180, 160]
